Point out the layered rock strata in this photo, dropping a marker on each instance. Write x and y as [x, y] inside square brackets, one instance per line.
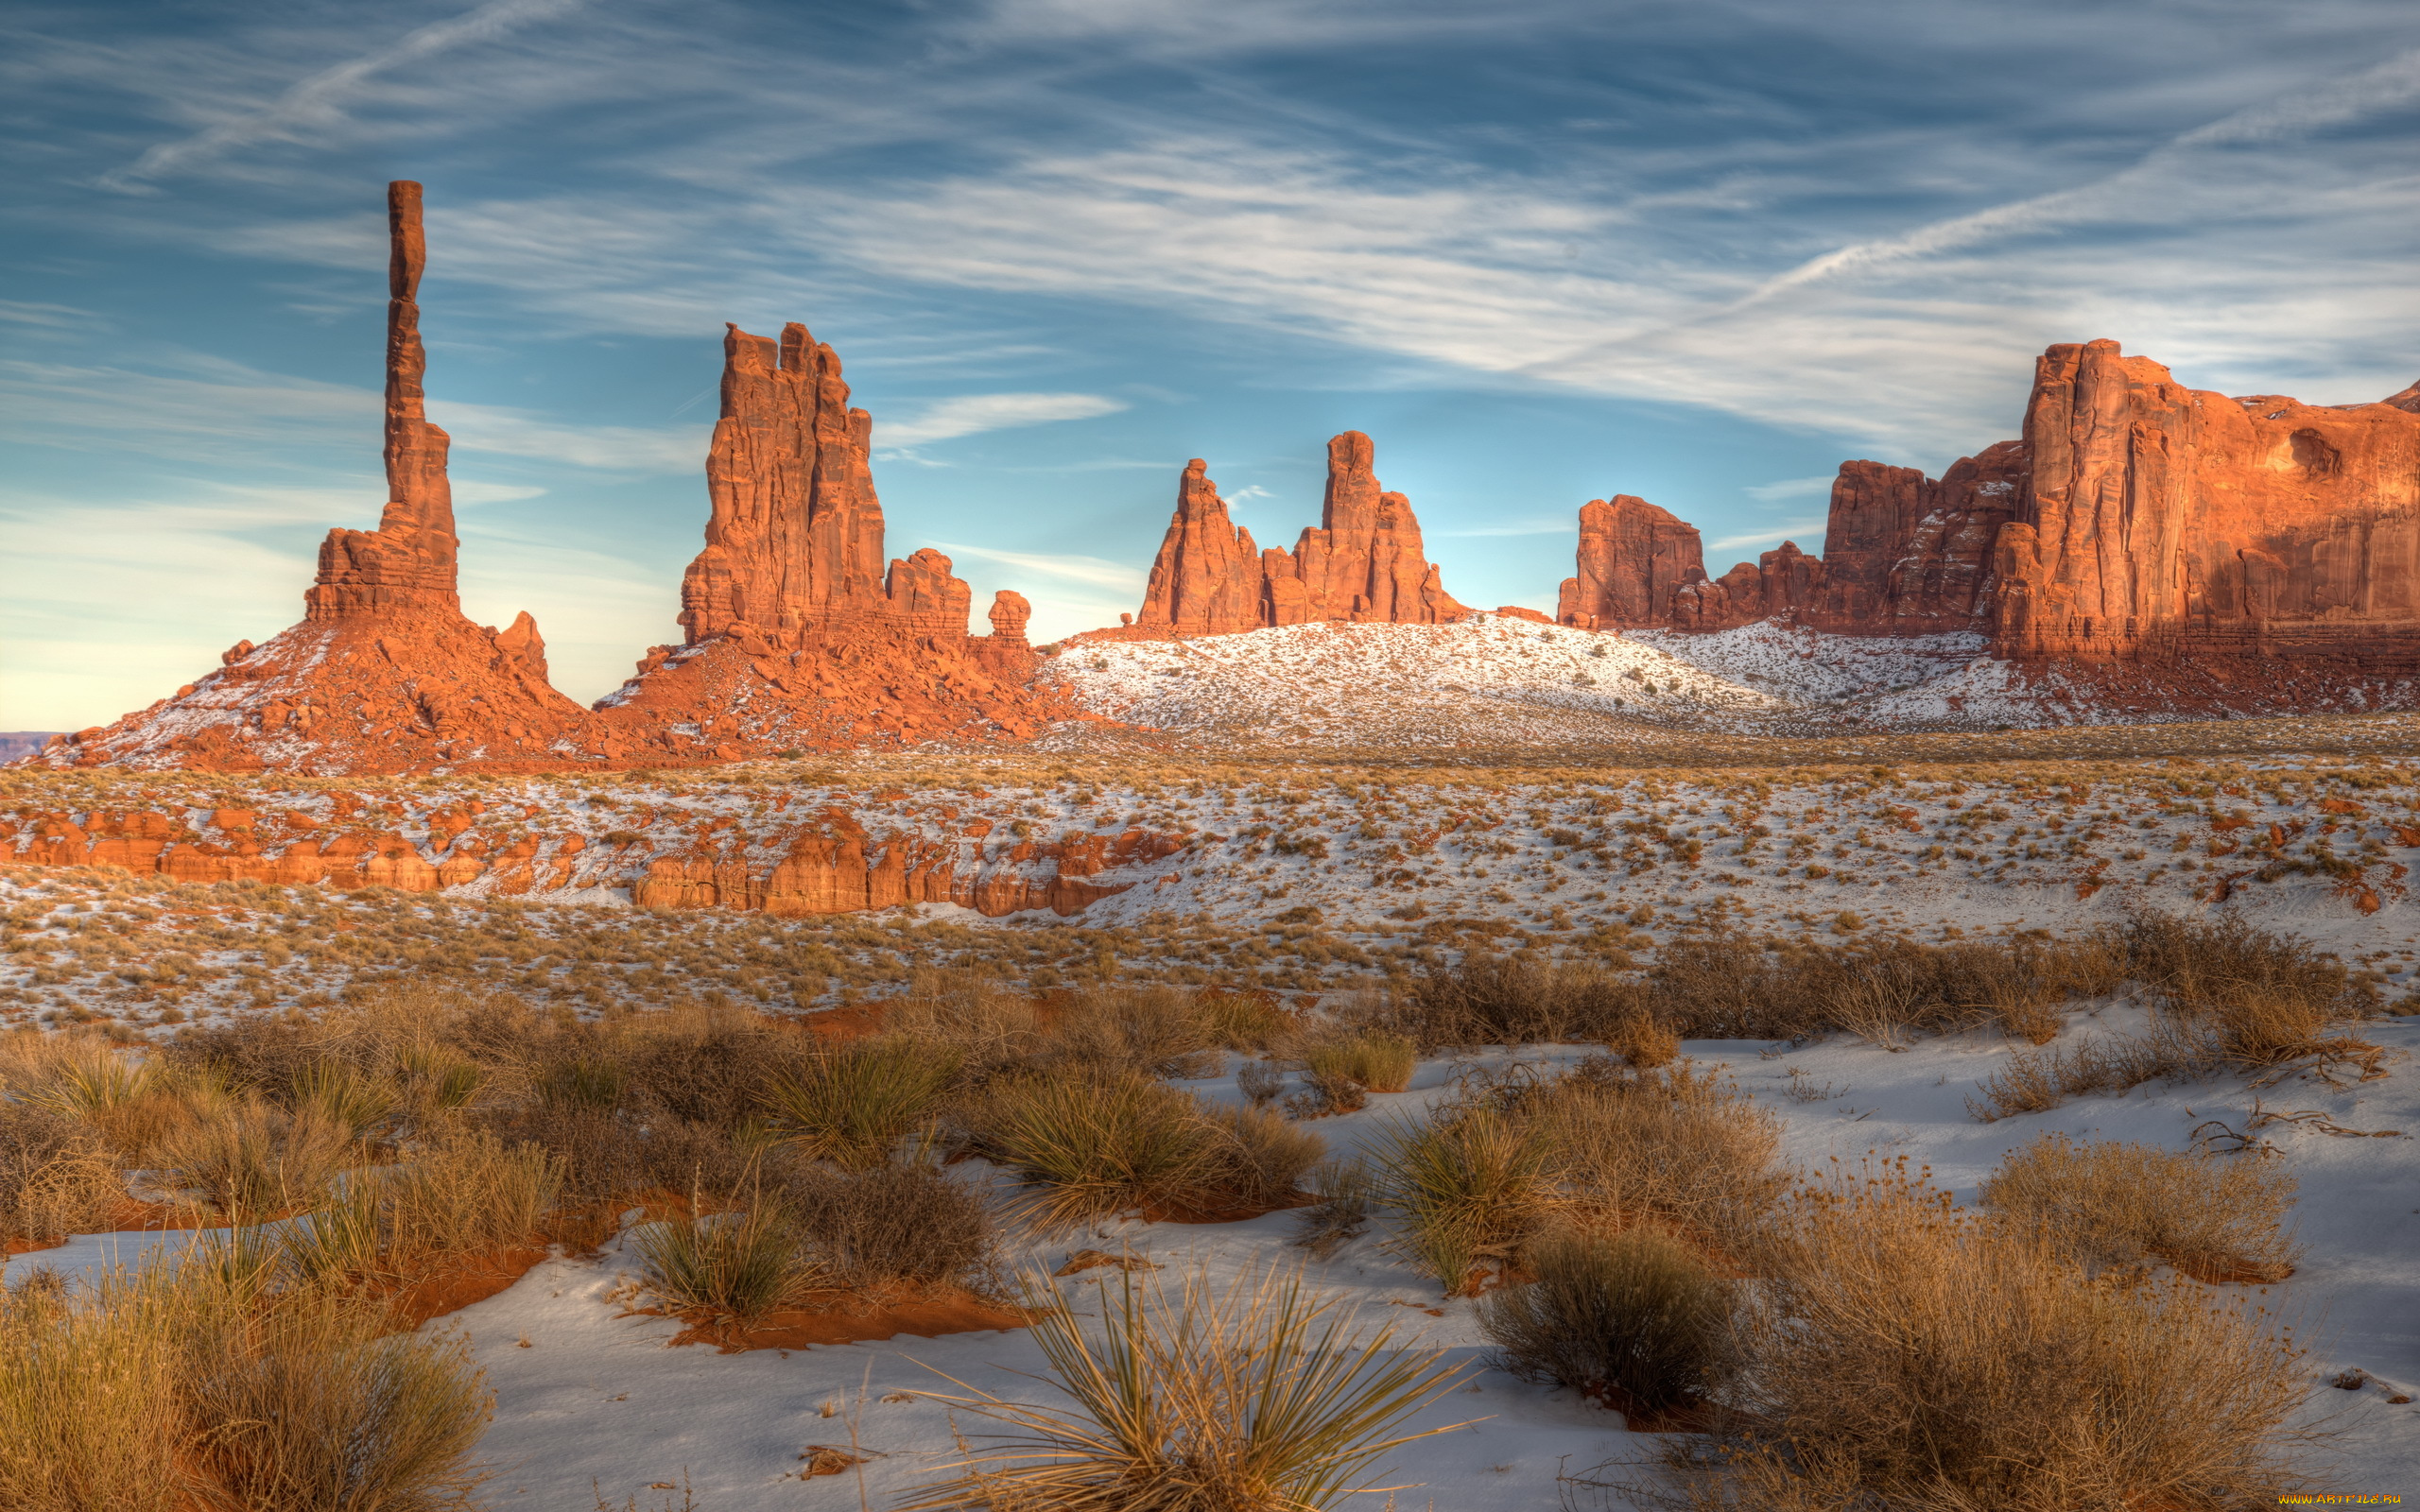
[1364, 563]
[822, 862]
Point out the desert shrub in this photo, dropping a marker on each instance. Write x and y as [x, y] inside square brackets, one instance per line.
[1672, 1145]
[604, 1153]
[1636, 1319]
[56, 1177]
[1372, 1059]
[310, 1405]
[1155, 1031]
[187, 1385]
[88, 1400]
[587, 1082]
[2033, 1081]
[468, 1192]
[1197, 1398]
[991, 1028]
[2258, 999]
[254, 1158]
[338, 1093]
[1497, 999]
[1902, 1353]
[712, 1066]
[852, 1102]
[261, 1053]
[1468, 1185]
[894, 1223]
[1248, 1021]
[1254, 1156]
[1259, 1081]
[2216, 1218]
[1346, 1193]
[739, 1264]
[1089, 1147]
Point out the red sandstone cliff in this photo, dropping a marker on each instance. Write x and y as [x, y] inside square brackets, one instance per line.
[1631, 557]
[2159, 523]
[1365, 562]
[797, 636]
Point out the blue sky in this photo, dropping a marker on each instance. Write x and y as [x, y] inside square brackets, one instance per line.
[1541, 251]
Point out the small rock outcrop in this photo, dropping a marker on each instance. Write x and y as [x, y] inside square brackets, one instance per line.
[1364, 563]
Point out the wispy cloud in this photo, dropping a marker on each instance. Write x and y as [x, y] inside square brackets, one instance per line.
[605, 448]
[1076, 569]
[318, 101]
[973, 414]
[1799, 530]
[1790, 489]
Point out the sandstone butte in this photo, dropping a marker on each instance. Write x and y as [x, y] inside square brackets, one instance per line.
[1364, 563]
[796, 637]
[2139, 527]
[819, 860]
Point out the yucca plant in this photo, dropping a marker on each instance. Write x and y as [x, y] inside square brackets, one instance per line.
[1094, 1148]
[583, 1085]
[342, 1094]
[1636, 1319]
[1467, 1186]
[256, 1161]
[339, 1240]
[853, 1103]
[740, 1264]
[1257, 1397]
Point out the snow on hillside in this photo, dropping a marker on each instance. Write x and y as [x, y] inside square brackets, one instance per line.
[1486, 681]
[1492, 679]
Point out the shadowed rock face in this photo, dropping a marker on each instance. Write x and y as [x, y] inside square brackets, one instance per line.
[1365, 562]
[1632, 555]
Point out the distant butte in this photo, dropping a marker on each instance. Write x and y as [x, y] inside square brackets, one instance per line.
[1364, 563]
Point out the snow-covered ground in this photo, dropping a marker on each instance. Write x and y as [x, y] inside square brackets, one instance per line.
[1498, 680]
[586, 1393]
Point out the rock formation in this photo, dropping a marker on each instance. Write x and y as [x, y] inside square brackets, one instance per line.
[2137, 520]
[1631, 557]
[796, 635]
[810, 861]
[384, 674]
[2158, 523]
[1365, 562]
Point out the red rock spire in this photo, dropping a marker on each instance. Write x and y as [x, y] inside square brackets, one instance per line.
[1206, 579]
[1632, 555]
[794, 542]
[408, 561]
[1365, 561]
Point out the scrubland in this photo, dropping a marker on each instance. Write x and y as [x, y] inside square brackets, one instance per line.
[1643, 1266]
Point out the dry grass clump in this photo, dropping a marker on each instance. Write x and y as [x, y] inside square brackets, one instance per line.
[2216, 1218]
[1468, 1185]
[1341, 1069]
[254, 1159]
[190, 1385]
[468, 1192]
[2261, 1001]
[1637, 1319]
[2036, 1080]
[1091, 1146]
[990, 1027]
[1905, 1354]
[1159, 1032]
[738, 1264]
[56, 1175]
[1257, 1397]
[888, 1225]
[1673, 1146]
[852, 1103]
[1499, 1000]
